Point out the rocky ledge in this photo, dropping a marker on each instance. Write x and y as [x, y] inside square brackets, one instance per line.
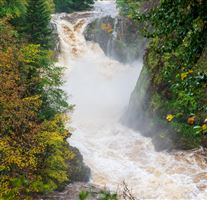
[72, 192]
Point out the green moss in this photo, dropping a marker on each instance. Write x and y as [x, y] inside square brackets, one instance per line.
[156, 102]
[188, 137]
[152, 59]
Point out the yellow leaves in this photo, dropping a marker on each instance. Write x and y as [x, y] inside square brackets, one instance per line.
[59, 175]
[17, 154]
[57, 125]
[51, 138]
[26, 140]
[198, 24]
[170, 117]
[201, 129]
[185, 74]
[3, 167]
[30, 53]
[107, 27]
[190, 71]
[26, 153]
[204, 127]
[32, 103]
[4, 186]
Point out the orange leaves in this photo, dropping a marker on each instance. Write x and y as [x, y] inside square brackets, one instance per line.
[191, 120]
[18, 114]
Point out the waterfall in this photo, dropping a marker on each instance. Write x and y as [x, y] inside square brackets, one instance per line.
[100, 88]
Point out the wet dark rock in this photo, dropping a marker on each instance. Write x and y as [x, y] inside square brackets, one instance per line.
[118, 37]
[72, 191]
[141, 115]
[72, 18]
[78, 171]
[204, 141]
[147, 114]
[55, 39]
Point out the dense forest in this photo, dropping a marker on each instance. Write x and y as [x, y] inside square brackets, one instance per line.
[34, 154]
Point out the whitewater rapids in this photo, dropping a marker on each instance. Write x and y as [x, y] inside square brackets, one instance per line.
[100, 87]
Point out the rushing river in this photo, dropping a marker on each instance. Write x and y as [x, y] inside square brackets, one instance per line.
[100, 87]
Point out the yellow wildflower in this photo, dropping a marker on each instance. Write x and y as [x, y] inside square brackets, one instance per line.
[190, 71]
[204, 127]
[169, 117]
[183, 75]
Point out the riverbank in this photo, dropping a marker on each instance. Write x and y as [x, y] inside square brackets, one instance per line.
[72, 192]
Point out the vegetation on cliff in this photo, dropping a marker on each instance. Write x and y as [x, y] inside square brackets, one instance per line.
[175, 64]
[34, 154]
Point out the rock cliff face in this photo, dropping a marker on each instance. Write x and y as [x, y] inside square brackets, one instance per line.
[118, 37]
[150, 101]
[142, 112]
[78, 171]
[175, 102]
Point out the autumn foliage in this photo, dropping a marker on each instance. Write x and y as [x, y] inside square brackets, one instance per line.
[33, 147]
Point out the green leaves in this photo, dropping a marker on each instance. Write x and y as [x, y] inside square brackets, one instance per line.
[108, 196]
[103, 195]
[37, 23]
[83, 195]
[12, 8]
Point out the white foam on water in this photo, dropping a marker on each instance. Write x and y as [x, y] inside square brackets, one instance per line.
[100, 88]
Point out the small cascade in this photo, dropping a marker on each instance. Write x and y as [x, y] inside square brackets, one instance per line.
[111, 42]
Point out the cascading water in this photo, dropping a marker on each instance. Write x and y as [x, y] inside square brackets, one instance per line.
[100, 88]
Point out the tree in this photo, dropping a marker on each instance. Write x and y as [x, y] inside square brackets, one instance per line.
[34, 152]
[42, 77]
[37, 23]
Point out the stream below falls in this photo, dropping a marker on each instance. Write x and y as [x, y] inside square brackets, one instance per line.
[100, 88]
